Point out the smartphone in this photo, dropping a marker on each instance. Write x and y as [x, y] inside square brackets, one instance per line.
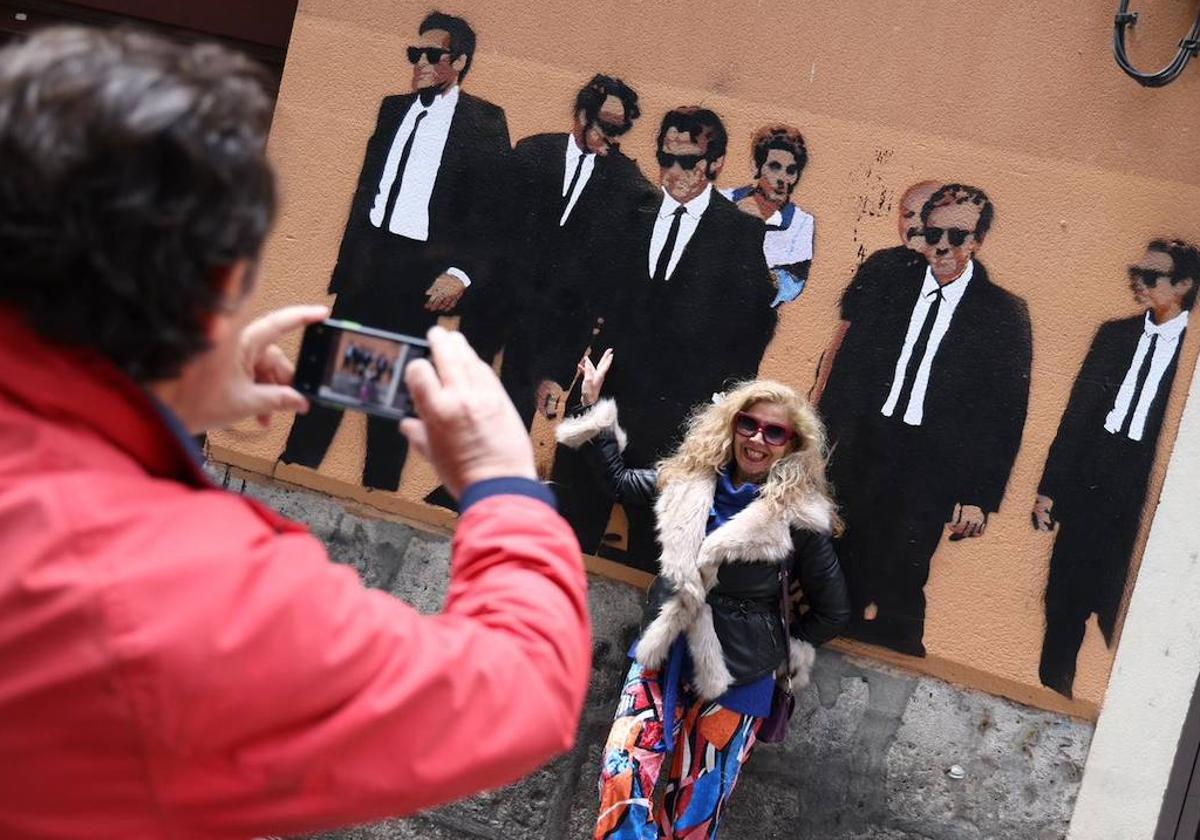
[346, 365]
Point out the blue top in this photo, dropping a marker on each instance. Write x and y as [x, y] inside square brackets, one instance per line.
[753, 698]
[787, 212]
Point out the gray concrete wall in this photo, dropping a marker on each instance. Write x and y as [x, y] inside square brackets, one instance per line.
[868, 756]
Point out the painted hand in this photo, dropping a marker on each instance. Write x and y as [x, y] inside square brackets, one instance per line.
[549, 399]
[1043, 519]
[469, 429]
[593, 376]
[968, 521]
[444, 294]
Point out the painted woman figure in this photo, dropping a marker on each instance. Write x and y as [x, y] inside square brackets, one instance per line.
[779, 156]
[742, 499]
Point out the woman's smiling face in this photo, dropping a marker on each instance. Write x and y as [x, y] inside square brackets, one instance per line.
[753, 456]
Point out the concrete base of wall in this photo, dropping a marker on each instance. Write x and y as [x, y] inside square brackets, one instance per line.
[869, 755]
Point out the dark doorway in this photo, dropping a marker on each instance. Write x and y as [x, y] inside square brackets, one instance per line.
[1180, 816]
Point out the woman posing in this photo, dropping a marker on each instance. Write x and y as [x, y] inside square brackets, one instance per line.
[742, 502]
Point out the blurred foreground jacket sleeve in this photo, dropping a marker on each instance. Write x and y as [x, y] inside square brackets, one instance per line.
[293, 698]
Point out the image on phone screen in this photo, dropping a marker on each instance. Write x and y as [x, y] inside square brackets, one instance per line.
[348, 366]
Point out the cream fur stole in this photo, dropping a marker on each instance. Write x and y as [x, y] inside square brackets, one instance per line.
[760, 532]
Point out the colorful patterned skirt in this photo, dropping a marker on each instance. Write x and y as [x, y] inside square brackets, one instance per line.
[711, 745]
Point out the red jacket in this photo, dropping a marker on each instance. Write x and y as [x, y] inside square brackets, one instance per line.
[179, 661]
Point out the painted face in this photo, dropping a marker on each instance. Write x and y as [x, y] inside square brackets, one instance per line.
[778, 175]
[683, 170]
[909, 220]
[1150, 281]
[753, 455]
[950, 239]
[601, 134]
[438, 74]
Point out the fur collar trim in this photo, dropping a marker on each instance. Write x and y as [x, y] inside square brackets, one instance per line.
[601, 418]
[760, 532]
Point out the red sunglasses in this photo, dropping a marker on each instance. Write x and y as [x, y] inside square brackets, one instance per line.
[773, 434]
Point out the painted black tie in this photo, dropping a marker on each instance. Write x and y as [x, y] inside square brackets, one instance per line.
[566, 202]
[395, 193]
[1142, 375]
[664, 256]
[918, 352]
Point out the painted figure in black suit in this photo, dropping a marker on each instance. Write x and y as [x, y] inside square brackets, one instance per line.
[423, 224]
[569, 189]
[928, 411]
[1095, 480]
[692, 314]
[866, 295]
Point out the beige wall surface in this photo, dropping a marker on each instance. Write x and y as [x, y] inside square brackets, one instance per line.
[1021, 99]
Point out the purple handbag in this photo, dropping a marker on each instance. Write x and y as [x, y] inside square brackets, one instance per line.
[774, 727]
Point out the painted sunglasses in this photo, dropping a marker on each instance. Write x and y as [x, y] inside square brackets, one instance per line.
[686, 162]
[1148, 277]
[432, 54]
[933, 235]
[773, 434]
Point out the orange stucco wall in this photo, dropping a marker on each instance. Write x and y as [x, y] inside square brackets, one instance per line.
[1023, 100]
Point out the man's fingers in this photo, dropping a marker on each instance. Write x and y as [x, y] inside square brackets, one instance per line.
[268, 328]
[417, 434]
[452, 357]
[423, 385]
[267, 399]
[275, 367]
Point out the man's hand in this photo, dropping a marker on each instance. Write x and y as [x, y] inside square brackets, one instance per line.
[469, 429]
[444, 294]
[593, 376]
[1043, 519]
[968, 521]
[255, 383]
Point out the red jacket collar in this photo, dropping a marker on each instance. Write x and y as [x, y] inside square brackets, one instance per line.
[80, 388]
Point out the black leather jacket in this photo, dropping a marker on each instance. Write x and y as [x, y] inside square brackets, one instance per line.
[746, 597]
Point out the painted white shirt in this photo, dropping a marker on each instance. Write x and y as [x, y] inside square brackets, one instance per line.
[952, 293]
[693, 211]
[410, 217]
[1164, 350]
[589, 163]
[786, 246]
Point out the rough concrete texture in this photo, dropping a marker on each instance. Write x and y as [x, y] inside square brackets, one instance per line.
[867, 758]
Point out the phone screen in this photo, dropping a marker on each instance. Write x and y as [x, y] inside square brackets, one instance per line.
[345, 365]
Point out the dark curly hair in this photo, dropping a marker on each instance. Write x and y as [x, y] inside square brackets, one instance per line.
[782, 137]
[1185, 264]
[696, 122]
[962, 194]
[134, 170]
[592, 95]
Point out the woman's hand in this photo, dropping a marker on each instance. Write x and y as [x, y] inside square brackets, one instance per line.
[593, 376]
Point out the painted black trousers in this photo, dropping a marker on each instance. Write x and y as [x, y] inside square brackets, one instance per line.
[1089, 566]
[895, 504]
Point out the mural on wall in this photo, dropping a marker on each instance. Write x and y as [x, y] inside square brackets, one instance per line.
[925, 402]
[779, 155]
[1094, 484]
[561, 245]
[569, 190]
[689, 311]
[422, 233]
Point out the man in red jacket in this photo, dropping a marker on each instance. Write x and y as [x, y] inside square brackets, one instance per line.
[177, 661]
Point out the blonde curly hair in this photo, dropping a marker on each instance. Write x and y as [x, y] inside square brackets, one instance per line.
[707, 445]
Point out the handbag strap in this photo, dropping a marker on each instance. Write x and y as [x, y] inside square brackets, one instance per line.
[785, 610]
